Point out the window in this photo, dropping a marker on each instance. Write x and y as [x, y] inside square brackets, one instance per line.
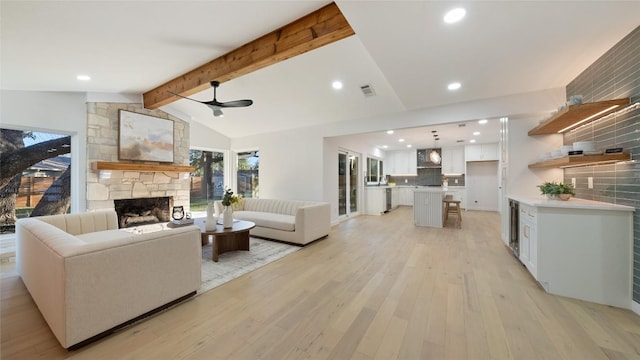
[41, 176]
[248, 171]
[374, 170]
[207, 180]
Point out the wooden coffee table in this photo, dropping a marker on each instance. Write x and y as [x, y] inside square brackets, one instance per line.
[234, 238]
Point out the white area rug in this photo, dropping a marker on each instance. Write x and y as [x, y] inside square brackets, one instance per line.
[233, 264]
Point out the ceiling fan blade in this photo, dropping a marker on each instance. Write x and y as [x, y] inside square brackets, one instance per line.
[184, 97]
[235, 103]
[216, 105]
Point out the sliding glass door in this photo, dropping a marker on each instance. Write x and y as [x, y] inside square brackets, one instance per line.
[347, 183]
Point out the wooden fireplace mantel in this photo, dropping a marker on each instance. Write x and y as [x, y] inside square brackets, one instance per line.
[125, 166]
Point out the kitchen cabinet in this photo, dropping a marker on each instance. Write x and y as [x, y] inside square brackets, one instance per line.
[481, 152]
[574, 115]
[395, 197]
[578, 248]
[405, 196]
[427, 208]
[375, 200]
[401, 162]
[453, 160]
[528, 238]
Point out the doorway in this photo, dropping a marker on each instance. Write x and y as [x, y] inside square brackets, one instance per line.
[482, 185]
[348, 169]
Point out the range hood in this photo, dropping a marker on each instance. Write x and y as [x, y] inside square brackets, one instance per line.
[424, 161]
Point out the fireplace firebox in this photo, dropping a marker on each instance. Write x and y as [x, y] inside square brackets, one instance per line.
[142, 211]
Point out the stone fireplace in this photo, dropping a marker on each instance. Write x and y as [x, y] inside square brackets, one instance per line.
[104, 188]
[142, 211]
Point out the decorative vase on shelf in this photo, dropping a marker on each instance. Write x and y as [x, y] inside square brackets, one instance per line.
[227, 217]
[210, 224]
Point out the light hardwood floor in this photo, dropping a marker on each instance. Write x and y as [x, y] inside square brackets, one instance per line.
[376, 288]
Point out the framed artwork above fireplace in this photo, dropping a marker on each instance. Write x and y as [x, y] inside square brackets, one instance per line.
[144, 138]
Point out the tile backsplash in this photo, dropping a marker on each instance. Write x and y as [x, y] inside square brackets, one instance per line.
[615, 75]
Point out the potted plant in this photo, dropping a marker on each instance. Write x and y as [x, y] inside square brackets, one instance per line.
[554, 190]
[228, 199]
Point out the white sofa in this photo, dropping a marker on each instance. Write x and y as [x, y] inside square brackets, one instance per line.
[292, 221]
[88, 278]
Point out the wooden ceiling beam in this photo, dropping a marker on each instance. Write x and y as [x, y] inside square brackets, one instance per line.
[321, 27]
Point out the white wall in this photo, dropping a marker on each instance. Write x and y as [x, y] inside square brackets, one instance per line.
[55, 112]
[203, 137]
[524, 150]
[291, 163]
[482, 185]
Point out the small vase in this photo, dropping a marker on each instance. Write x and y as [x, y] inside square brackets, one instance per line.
[210, 224]
[227, 217]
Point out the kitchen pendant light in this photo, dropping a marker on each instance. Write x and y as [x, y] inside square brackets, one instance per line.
[434, 156]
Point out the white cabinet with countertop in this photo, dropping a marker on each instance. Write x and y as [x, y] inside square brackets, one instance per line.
[528, 238]
[405, 195]
[453, 160]
[578, 248]
[375, 200]
[481, 152]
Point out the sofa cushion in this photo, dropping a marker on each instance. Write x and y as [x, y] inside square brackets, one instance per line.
[268, 220]
[107, 235]
[83, 223]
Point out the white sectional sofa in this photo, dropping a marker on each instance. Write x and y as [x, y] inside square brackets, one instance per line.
[292, 221]
[88, 278]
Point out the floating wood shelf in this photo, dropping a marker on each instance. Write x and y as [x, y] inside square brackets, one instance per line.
[582, 160]
[574, 114]
[124, 166]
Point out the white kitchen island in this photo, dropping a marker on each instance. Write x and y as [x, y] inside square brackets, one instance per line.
[427, 206]
[578, 248]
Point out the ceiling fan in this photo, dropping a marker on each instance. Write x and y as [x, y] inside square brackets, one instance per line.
[216, 105]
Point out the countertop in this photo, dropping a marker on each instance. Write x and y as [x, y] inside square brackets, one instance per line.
[573, 203]
[413, 187]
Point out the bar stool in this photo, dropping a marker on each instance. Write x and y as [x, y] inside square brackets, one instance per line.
[453, 207]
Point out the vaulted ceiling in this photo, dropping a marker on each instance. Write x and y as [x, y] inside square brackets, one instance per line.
[402, 49]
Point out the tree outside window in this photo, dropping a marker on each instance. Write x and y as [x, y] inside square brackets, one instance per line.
[207, 180]
[35, 179]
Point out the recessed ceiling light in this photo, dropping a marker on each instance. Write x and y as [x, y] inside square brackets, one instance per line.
[454, 15]
[476, 133]
[337, 85]
[400, 140]
[454, 86]
[83, 77]
[384, 146]
[483, 121]
[472, 140]
[389, 132]
[408, 145]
